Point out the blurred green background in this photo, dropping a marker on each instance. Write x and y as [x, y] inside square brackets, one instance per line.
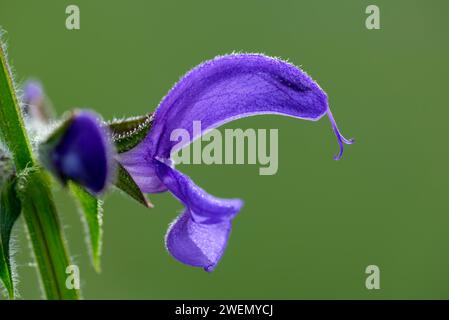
[310, 230]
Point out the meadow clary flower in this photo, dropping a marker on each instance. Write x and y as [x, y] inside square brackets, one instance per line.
[216, 92]
[80, 150]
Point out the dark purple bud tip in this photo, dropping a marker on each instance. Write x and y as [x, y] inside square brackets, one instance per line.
[82, 152]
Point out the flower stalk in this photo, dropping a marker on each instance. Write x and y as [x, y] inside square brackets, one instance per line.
[34, 191]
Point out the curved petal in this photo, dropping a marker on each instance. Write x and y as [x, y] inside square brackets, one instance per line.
[203, 207]
[231, 87]
[196, 244]
[221, 90]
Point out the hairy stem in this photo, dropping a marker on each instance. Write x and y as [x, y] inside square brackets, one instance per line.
[37, 201]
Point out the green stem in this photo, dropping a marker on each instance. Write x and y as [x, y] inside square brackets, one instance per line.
[37, 201]
[46, 235]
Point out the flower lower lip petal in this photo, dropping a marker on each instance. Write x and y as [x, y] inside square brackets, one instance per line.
[196, 244]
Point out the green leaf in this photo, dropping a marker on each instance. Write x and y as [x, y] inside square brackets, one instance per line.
[92, 214]
[45, 232]
[127, 133]
[127, 184]
[33, 189]
[9, 212]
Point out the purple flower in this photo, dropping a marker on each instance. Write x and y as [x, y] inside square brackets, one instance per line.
[80, 151]
[216, 92]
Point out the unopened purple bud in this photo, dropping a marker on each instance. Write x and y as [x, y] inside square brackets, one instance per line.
[33, 93]
[34, 103]
[81, 151]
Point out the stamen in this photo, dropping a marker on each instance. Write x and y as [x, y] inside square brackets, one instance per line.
[341, 139]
